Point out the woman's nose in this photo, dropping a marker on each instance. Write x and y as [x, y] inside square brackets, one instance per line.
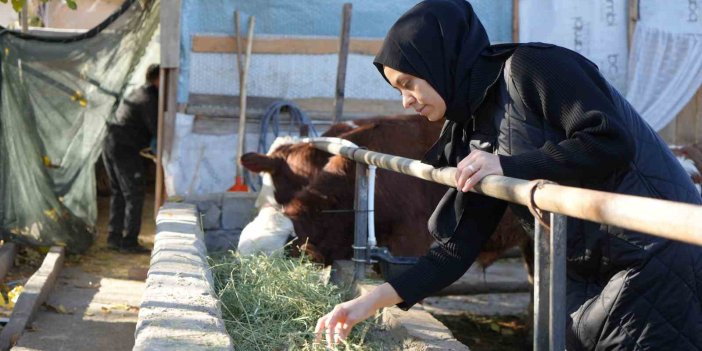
[407, 100]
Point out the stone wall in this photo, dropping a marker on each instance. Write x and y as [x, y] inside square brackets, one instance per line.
[223, 216]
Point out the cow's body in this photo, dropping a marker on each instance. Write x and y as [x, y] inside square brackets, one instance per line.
[316, 190]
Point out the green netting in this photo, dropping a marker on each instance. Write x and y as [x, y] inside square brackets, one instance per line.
[56, 96]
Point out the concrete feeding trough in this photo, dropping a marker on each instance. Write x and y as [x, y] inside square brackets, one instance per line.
[180, 309]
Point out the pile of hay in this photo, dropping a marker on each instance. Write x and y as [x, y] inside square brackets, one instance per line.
[273, 303]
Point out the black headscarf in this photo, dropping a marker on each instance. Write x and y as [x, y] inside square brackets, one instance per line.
[438, 41]
[444, 43]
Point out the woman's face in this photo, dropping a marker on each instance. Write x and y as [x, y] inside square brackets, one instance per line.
[417, 93]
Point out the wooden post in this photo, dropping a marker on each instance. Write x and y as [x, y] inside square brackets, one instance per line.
[25, 17]
[168, 88]
[343, 58]
[633, 9]
[158, 196]
[243, 75]
[515, 21]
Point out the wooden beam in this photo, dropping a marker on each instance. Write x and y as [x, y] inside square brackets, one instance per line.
[35, 293]
[686, 122]
[633, 9]
[158, 197]
[290, 45]
[170, 33]
[25, 17]
[339, 92]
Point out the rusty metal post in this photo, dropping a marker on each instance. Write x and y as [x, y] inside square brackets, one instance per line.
[542, 248]
[360, 238]
[557, 298]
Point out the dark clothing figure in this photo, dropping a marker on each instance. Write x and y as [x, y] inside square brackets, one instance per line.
[549, 114]
[135, 124]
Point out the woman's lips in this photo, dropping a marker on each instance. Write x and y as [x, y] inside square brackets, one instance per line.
[421, 110]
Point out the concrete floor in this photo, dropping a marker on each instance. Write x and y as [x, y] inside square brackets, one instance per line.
[94, 305]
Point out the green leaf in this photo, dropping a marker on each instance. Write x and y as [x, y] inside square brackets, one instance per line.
[17, 5]
[3, 1]
[71, 4]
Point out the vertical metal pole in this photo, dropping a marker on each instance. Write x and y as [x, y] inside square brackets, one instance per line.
[343, 57]
[542, 250]
[360, 238]
[558, 282]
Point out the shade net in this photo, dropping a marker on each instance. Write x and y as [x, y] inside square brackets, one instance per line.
[57, 94]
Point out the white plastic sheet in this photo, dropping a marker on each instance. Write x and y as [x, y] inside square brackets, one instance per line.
[665, 62]
[201, 163]
[595, 29]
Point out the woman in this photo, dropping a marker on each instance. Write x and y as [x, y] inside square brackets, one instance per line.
[538, 111]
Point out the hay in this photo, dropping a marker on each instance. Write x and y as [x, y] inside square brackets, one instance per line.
[273, 303]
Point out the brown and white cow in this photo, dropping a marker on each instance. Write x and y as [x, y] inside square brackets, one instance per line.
[316, 191]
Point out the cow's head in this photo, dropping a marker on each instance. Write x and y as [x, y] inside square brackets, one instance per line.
[290, 167]
[322, 212]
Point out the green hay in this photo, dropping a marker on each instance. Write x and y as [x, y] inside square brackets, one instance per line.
[273, 303]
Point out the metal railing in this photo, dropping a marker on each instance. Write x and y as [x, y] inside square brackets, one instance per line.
[554, 203]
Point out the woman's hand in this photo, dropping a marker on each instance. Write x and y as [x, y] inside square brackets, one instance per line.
[475, 167]
[344, 316]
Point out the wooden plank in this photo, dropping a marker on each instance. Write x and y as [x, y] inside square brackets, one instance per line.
[24, 17]
[315, 108]
[159, 139]
[170, 33]
[633, 9]
[169, 116]
[35, 293]
[343, 58]
[685, 132]
[287, 45]
[668, 132]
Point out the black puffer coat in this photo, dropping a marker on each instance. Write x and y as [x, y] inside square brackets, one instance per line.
[549, 114]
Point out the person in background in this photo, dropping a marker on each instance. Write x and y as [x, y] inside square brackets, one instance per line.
[133, 129]
[538, 111]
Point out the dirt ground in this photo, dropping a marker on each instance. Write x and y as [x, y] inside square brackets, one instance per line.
[489, 333]
[111, 264]
[94, 304]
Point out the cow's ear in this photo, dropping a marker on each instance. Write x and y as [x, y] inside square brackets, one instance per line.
[257, 163]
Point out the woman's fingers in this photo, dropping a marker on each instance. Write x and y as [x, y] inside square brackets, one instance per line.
[333, 324]
[465, 173]
[319, 328]
[470, 182]
[488, 164]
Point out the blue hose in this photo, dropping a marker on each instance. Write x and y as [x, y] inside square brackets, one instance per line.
[271, 119]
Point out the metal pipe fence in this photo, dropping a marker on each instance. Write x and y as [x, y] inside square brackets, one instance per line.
[553, 204]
